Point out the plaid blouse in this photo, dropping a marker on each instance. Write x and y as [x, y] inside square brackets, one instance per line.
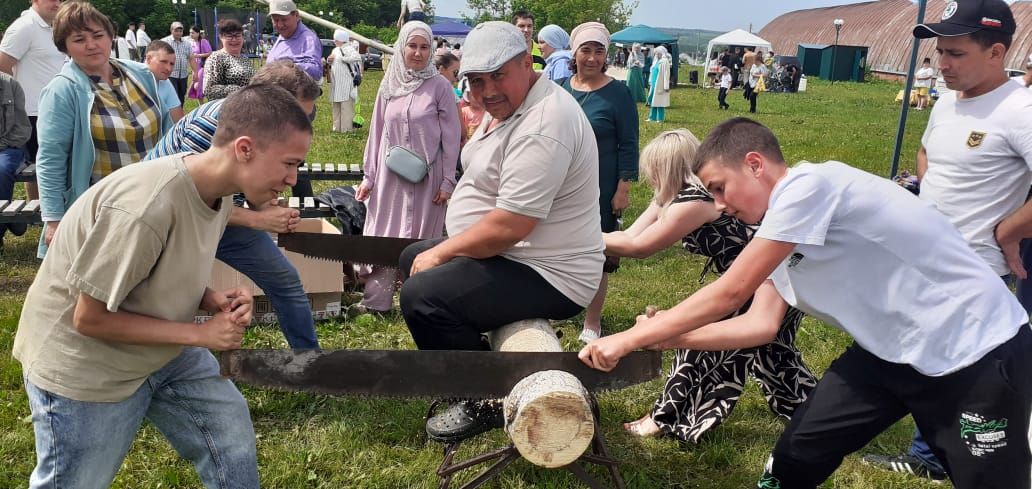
[125, 123]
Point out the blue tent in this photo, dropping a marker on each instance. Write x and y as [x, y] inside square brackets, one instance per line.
[647, 35]
[450, 29]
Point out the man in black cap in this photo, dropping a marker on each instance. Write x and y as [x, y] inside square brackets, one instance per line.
[975, 160]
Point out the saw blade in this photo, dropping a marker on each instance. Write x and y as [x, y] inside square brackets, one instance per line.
[410, 374]
[372, 250]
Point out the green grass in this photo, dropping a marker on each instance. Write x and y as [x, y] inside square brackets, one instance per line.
[318, 441]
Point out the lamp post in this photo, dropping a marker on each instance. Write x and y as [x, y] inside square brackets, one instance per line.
[177, 4]
[838, 27]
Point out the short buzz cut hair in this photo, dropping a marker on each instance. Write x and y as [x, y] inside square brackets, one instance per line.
[264, 112]
[521, 14]
[731, 140]
[76, 16]
[286, 75]
[159, 45]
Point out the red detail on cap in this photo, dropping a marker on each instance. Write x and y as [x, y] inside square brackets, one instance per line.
[986, 21]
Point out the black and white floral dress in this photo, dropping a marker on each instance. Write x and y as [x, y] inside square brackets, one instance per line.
[704, 386]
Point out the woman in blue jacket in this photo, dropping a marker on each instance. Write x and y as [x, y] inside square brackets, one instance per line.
[96, 116]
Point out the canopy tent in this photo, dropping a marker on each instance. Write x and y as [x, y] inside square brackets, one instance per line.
[647, 35]
[738, 38]
[450, 29]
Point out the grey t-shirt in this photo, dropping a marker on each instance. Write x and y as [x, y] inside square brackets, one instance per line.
[541, 162]
[140, 241]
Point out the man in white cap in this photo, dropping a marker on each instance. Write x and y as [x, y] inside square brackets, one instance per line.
[975, 159]
[345, 65]
[296, 42]
[184, 59]
[522, 223]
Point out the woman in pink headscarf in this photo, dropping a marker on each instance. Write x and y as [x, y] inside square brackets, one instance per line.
[415, 113]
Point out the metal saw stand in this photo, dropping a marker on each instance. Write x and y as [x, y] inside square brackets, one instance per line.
[599, 456]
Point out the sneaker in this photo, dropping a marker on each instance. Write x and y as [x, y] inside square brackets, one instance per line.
[588, 335]
[907, 464]
[464, 420]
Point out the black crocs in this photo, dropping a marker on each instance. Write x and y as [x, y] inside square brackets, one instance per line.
[464, 420]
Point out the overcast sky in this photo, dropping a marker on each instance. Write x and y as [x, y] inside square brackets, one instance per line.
[691, 14]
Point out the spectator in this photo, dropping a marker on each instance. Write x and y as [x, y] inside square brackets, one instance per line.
[411, 10]
[554, 44]
[524, 21]
[345, 65]
[296, 42]
[15, 130]
[635, 80]
[457, 51]
[471, 114]
[246, 245]
[120, 47]
[160, 58]
[89, 129]
[659, 92]
[142, 39]
[130, 38]
[442, 47]
[923, 83]
[725, 85]
[201, 49]
[523, 225]
[414, 116]
[185, 63]
[756, 77]
[227, 70]
[448, 66]
[613, 116]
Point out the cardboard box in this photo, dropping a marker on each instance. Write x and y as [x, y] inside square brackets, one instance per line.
[323, 280]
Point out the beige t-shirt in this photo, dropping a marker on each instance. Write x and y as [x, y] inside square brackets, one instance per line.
[141, 241]
[541, 162]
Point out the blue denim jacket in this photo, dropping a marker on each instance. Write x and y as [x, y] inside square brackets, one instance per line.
[64, 163]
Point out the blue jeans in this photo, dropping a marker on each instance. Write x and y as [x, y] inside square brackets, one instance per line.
[253, 253]
[82, 444]
[10, 160]
[918, 447]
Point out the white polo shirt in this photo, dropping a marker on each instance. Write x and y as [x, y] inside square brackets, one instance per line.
[541, 162]
[887, 268]
[31, 41]
[980, 163]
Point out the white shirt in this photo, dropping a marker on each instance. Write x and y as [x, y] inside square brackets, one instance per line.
[142, 39]
[725, 80]
[31, 41]
[413, 5]
[130, 37]
[342, 79]
[885, 267]
[755, 72]
[1021, 81]
[927, 74]
[979, 156]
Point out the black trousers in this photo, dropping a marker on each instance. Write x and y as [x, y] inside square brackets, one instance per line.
[448, 307]
[976, 419]
[752, 100]
[722, 98]
[181, 87]
[32, 145]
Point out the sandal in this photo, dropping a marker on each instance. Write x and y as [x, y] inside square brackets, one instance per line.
[464, 420]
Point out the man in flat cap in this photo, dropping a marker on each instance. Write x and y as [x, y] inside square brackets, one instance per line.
[524, 239]
[975, 166]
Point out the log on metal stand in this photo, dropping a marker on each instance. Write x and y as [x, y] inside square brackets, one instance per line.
[550, 417]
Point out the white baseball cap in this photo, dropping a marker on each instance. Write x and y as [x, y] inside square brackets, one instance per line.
[489, 46]
[281, 7]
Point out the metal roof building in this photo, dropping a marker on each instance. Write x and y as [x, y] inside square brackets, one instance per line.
[886, 27]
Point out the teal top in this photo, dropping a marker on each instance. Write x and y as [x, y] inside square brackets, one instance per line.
[614, 119]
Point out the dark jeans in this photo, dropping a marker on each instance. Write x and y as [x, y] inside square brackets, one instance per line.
[10, 160]
[32, 145]
[722, 98]
[976, 419]
[449, 306]
[752, 101]
[181, 87]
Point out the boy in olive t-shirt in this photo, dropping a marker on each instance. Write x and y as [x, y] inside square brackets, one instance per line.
[106, 336]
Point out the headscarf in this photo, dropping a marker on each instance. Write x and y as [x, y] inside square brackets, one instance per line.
[340, 35]
[637, 59]
[659, 53]
[554, 36]
[589, 32]
[399, 81]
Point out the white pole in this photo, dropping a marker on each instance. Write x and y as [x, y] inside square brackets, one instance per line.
[325, 23]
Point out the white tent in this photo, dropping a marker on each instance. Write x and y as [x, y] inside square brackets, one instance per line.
[738, 37]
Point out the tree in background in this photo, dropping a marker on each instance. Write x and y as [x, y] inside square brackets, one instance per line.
[615, 14]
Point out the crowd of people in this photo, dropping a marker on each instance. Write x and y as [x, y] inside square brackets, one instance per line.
[547, 145]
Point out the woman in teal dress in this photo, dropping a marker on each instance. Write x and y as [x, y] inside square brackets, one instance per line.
[659, 94]
[635, 82]
[613, 114]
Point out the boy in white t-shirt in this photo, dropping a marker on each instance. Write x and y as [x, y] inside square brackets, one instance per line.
[937, 334]
[106, 336]
[923, 83]
[725, 85]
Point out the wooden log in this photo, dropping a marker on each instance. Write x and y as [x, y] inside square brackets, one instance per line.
[547, 414]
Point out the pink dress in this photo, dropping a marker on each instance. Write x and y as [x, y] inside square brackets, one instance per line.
[197, 87]
[426, 122]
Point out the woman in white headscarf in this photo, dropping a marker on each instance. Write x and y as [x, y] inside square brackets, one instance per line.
[659, 94]
[416, 120]
[635, 82]
[345, 64]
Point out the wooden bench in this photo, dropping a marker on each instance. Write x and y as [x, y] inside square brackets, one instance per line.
[15, 211]
[313, 171]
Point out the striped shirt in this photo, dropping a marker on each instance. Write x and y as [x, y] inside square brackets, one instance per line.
[125, 123]
[345, 61]
[183, 51]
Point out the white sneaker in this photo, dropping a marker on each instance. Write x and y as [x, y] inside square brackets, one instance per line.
[588, 335]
